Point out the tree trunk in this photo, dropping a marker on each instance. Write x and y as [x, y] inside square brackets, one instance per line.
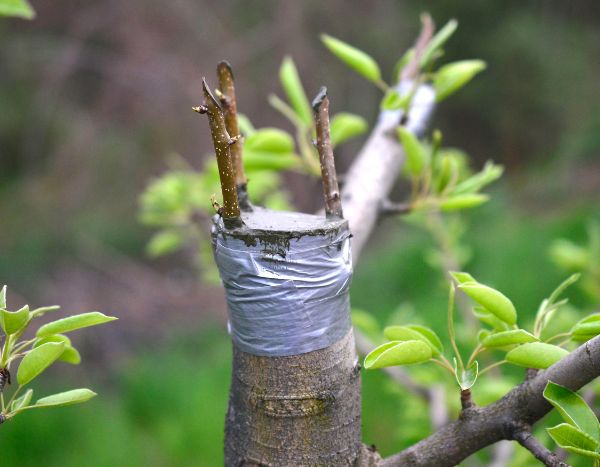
[295, 389]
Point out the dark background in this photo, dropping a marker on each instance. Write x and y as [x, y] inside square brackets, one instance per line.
[95, 95]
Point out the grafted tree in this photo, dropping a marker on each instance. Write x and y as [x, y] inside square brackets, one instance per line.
[295, 388]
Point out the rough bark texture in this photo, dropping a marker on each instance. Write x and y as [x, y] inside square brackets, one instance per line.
[301, 410]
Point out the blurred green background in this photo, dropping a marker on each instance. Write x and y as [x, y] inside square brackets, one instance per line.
[95, 95]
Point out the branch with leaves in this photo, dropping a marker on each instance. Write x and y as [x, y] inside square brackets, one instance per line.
[35, 355]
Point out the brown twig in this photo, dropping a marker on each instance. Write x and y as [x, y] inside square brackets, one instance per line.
[331, 191]
[466, 401]
[222, 143]
[229, 104]
[541, 452]
[411, 70]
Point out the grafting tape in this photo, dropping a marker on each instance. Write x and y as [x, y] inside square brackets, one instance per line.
[286, 278]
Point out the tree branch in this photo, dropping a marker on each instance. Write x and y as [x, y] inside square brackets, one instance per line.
[228, 101]
[331, 191]
[222, 143]
[504, 419]
[540, 452]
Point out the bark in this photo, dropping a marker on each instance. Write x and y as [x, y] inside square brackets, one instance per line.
[297, 410]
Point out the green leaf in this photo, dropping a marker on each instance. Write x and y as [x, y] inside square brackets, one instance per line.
[398, 353]
[438, 41]
[13, 321]
[74, 322]
[488, 318]
[416, 155]
[574, 440]
[290, 81]
[587, 328]
[467, 201]
[356, 59]
[75, 396]
[164, 242]
[569, 255]
[245, 125]
[69, 355]
[271, 140]
[490, 173]
[3, 297]
[466, 378]
[16, 8]
[462, 277]
[512, 337]
[492, 300]
[41, 311]
[536, 355]
[22, 401]
[258, 160]
[400, 64]
[416, 333]
[393, 100]
[366, 322]
[564, 285]
[37, 360]
[450, 78]
[345, 126]
[573, 409]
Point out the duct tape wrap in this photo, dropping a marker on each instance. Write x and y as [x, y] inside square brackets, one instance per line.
[287, 292]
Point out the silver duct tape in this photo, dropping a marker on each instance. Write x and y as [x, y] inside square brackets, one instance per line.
[286, 299]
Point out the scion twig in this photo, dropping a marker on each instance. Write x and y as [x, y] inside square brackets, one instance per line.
[229, 104]
[222, 143]
[331, 191]
[411, 70]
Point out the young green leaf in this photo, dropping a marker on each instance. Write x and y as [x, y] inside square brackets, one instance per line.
[164, 242]
[366, 322]
[75, 396]
[492, 300]
[437, 42]
[462, 277]
[574, 440]
[569, 255]
[416, 155]
[259, 160]
[356, 59]
[41, 311]
[564, 285]
[37, 360]
[414, 332]
[74, 322]
[290, 80]
[345, 126]
[450, 78]
[467, 201]
[398, 353]
[536, 355]
[573, 409]
[435, 342]
[13, 321]
[587, 328]
[16, 8]
[505, 338]
[69, 355]
[393, 100]
[3, 297]
[271, 140]
[466, 378]
[401, 63]
[487, 175]
[491, 320]
[22, 401]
